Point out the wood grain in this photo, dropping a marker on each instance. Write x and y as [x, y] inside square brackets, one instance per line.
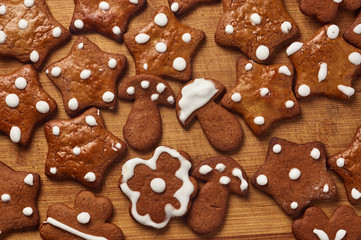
[256, 217]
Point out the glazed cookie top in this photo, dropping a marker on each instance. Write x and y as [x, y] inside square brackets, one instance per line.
[322, 70]
[28, 31]
[164, 47]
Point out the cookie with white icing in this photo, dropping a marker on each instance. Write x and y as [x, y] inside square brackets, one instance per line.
[295, 175]
[109, 17]
[182, 6]
[28, 31]
[18, 200]
[262, 95]
[223, 175]
[143, 128]
[159, 188]
[88, 219]
[24, 104]
[347, 165]
[343, 224]
[164, 47]
[196, 100]
[353, 32]
[81, 148]
[87, 77]
[325, 65]
[256, 27]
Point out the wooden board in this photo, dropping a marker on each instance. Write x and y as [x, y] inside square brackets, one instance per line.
[256, 217]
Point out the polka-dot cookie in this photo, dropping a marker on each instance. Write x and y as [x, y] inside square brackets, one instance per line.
[179, 7]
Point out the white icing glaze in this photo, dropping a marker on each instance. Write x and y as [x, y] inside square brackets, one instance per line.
[116, 30]
[286, 27]
[29, 179]
[112, 63]
[5, 198]
[174, 7]
[104, 6]
[80, 45]
[348, 91]
[322, 73]
[2, 9]
[186, 37]
[341, 233]
[294, 174]
[179, 64]
[15, 134]
[108, 97]
[170, 99]
[262, 180]
[259, 120]
[55, 71]
[23, 24]
[28, 211]
[182, 195]
[83, 217]
[21, 83]
[326, 188]
[194, 96]
[236, 97]
[357, 29]
[145, 66]
[293, 48]
[333, 31]
[355, 194]
[289, 104]
[256, 19]
[29, 3]
[90, 177]
[79, 24]
[85, 74]
[262, 52]
[57, 32]
[320, 234]
[73, 104]
[34, 56]
[315, 154]
[284, 70]
[277, 148]
[158, 185]
[160, 87]
[229, 29]
[304, 90]
[248, 66]
[145, 84]
[238, 173]
[220, 167]
[161, 47]
[340, 162]
[12, 100]
[154, 97]
[205, 169]
[2, 37]
[294, 205]
[53, 170]
[142, 38]
[355, 58]
[130, 90]
[91, 121]
[161, 19]
[264, 92]
[224, 180]
[42, 107]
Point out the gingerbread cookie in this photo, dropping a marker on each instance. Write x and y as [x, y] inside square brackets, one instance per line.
[87, 220]
[18, 205]
[181, 6]
[143, 128]
[353, 33]
[263, 94]
[325, 65]
[343, 224]
[159, 188]
[28, 31]
[256, 27]
[294, 175]
[222, 175]
[81, 148]
[196, 100]
[24, 104]
[87, 77]
[347, 165]
[164, 47]
[326, 10]
[106, 17]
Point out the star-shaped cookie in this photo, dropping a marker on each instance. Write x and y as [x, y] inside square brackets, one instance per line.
[181, 6]
[24, 104]
[347, 165]
[87, 77]
[294, 175]
[81, 148]
[316, 225]
[164, 47]
[18, 204]
[263, 94]
[28, 31]
[353, 33]
[256, 27]
[325, 65]
[109, 17]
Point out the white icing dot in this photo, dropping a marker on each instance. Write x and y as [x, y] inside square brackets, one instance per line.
[236, 97]
[294, 173]
[2, 9]
[28, 211]
[161, 19]
[340, 162]
[15, 134]
[229, 29]
[29, 3]
[348, 91]
[179, 64]
[85, 74]
[112, 63]
[34, 56]
[333, 31]
[56, 130]
[76, 151]
[315, 154]
[108, 97]
[130, 90]
[53, 170]
[12, 100]
[277, 148]
[174, 7]
[29, 179]
[262, 180]
[161, 47]
[83, 217]
[79, 24]
[355, 194]
[42, 107]
[355, 58]
[357, 29]
[286, 27]
[322, 73]
[259, 120]
[326, 188]
[205, 169]
[256, 19]
[337, 1]
[5, 198]
[154, 97]
[80, 45]
[118, 145]
[134, 1]
[23, 24]
[73, 104]
[56, 71]
[187, 37]
[160, 87]
[262, 52]
[2, 37]
[224, 180]
[293, 48]
[220, 167]
[142, 38]
[289, 104]
[90, 177]
[158, 185]
[56, 32]
[144, 84]
[91, 121]
[304, 90]
[264, 92]
[170, 99]
[284, 70]
[104, 6]
[294, 205]
[248, 66]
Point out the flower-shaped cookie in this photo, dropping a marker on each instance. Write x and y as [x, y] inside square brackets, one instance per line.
[159, 188]
[87, 220]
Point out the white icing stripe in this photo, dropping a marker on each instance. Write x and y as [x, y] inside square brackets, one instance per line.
[71, 230]
[320, 234]
[182, 194]
[238, 173]
[340, 234]
[322, 73]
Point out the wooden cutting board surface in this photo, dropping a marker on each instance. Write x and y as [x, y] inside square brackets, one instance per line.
[256, 217]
